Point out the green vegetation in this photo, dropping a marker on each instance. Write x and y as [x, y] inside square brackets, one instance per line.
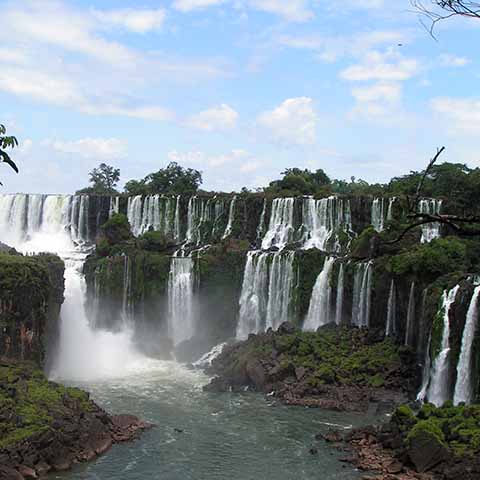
[104, 179]
[171, 180]
[457, 428]
[7, 142]
[116, 229]
[29, 402]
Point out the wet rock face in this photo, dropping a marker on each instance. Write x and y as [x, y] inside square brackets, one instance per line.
[31, 295]
[47, 427]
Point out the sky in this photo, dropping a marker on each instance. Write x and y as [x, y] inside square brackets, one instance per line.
[239, 89]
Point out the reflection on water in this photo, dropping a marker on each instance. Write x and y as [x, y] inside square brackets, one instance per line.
[205, 436]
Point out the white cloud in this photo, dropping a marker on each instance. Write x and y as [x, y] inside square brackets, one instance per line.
[290, 10]
[389, 66]
[458, 114]
[97, 148]
[447, 60]
[292, 122]
[388, 92]
[221, 117]
[134, 20]
[201, 159]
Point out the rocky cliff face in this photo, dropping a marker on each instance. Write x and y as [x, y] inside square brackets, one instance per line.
[31, 295]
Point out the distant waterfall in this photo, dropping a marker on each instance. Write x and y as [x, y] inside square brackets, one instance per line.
[430, 231]
[181, 315]
[321, 221]
[378, 214]
[231, 217]
[114, 206]
[261, 224]
[134, 214]
[464, 390]
[391, 202]
[281, 229]
[362, 286]
[126, 296]
[427, 363]
[267, 290]
[319, 310]
[391, 328]
[438, 388]
[340, 294]
[410, 317]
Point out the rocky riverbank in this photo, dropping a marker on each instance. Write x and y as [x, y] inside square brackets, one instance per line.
[334, 368]
[46, 427]
[434, 443]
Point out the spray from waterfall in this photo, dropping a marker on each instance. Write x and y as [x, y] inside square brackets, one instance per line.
[320, 302]
[464, 390]
[391, 328]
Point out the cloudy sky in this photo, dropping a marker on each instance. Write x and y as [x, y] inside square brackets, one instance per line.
[239, 89]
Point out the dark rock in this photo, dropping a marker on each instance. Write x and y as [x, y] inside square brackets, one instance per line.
[287, 328]
[27, 472]
[313, 451]
[426, 451]
[332, 436]
[256, 373]
[7, 473]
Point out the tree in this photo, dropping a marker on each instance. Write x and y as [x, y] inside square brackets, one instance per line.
[7, 142]
[171, 180]
[296, 181]
[444, 9]
[104, 179]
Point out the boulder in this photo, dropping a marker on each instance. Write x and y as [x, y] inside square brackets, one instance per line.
[256, 373]
[7, 473]
[287, 328]
[426, 450]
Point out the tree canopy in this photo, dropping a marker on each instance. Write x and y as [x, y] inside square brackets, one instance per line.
[171, 180]
[296, 181]
[104, 179]
[5, 143]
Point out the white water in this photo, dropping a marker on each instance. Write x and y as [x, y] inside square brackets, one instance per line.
[362, 287]
[207, 359]
[181, 311]
[267, 291]
[340, 294]
[430, 231]
[464, 390]
[378, 214]
[231, 217]
[427, 363]
[410, 317]
[391, 328]
[319, 313]
[438, 389]
[280, 230]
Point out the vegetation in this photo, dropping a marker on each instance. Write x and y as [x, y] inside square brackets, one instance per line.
[5, 143]
[104, 179]
[171, 180]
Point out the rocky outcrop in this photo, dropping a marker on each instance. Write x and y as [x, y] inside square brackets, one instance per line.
[48, 427]
[31, 295]
[334, 368]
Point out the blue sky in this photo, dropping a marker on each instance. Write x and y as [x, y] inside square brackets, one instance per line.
[239, 89]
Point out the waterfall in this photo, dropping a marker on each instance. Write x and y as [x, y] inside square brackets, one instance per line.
[267, 290]
[410, 317]
[427, 363]
[181, 315]
[261, 224]
[464, 390]
[254, 296]
[134, 214]
[391, 328]
[362, 286]
[231, 217]
[340, 292]
[321, 220]
[280, 230]
[438, 388]
[378, 216]
[280, 289]
[126, 296]
[430, 231]
[59, 224]
[114, 206]
[319, 309]
[391, 202]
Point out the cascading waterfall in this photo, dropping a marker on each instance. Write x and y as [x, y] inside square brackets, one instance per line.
[464, 390]
[391, 202]
[281, 229]
[181, 314]
[134, 214]
[321, 220]
[391, 328]
[268, 283]
[427, 363]
[319, 310]
[59, 224]
[280, 289]
[126, 297]
[261, 225]
[114, 206]
[231, 217]
[430, 231]
[362, 286]
[438, 388]
[378, 215]
[410, 316]
[340, 293]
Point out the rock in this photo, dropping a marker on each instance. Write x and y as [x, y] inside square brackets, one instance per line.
[62, 465]
[300, 372]
[394, 467]
[27, 472]
[102, 445]
[332, 436]
[287, 327]
[42, 468]
[313, 451]
[426, 451]
[256, 373]
[7, 473]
